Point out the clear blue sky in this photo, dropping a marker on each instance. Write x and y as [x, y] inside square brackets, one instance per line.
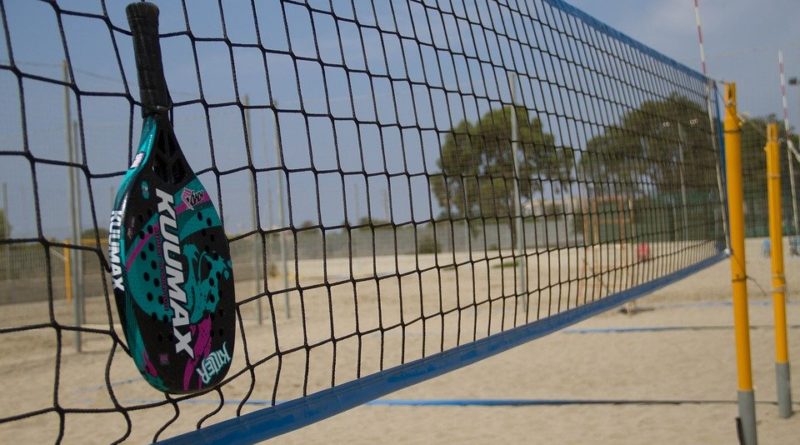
[742, 39]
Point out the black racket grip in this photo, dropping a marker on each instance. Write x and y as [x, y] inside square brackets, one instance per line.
[143, 20]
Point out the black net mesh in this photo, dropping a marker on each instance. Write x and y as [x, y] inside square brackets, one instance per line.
[396, 179]
[754, 177]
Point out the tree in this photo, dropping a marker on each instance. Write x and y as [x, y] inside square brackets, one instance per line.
[641, 158]
[369, 221]
[89, 234]
[478, 169]
[640, 154]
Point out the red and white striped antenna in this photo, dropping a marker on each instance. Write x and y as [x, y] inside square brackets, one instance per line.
[700, 36]
[783, 92]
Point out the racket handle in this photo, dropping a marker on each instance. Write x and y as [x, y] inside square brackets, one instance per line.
[143, 20]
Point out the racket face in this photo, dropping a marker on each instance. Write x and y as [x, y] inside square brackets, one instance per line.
[171, 268]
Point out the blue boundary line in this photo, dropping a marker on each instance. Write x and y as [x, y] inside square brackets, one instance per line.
[506, 402]
[270, 422]
[640, 329]
[552, 402]
[624, 38]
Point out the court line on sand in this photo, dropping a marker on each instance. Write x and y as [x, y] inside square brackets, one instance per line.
[636, 329]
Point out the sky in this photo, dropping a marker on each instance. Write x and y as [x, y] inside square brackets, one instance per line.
[742, 38]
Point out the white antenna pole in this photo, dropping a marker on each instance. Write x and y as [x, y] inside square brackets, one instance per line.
[795, 216]
[783, 92]
[711, 121]
[700, 37]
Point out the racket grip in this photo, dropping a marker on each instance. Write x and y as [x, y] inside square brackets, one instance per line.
[143, 20]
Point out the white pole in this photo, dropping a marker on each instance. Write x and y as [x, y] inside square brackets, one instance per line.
[78, 279]
[253, 209]
[711, 120]
[700, 36]
[71, 197]
[386, 210]
[682, 137]
[714, 143]
[795, 218]
[270, 210]
[522, 263]
[467, 236]
[281, 215]
[357, 204]
[783, 92]
[7, 234]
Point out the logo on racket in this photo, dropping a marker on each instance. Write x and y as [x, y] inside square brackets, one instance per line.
[113, 250]
[191, 198]
[175, 278]
[211, 365]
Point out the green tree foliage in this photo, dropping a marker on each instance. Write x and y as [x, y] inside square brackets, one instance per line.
[477, 162]
[89, 234]
[640, 157]
[640, 154]
[754, 160]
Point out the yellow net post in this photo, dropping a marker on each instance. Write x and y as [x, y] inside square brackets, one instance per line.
[733, 160]
[782, 374]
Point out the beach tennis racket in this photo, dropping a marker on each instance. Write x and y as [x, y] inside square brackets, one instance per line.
[171, 266]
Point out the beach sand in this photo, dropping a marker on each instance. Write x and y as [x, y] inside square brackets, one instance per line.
[604, 358]
[585, 363]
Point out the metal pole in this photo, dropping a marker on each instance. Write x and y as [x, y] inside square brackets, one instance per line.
[699, 24]
[795, 215]
[733, 157]
[356, 204]
[386, 210]
[790, 146]
[710, 86]
[281, 215]
[253, 209]
[67, 274]
[467, 235]
[682, 137]
[76, 307]
[521, 262]
[711, 90]
[782, 373]
[7, 234]
[79, 224]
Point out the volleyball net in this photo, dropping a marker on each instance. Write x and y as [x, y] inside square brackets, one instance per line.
[408, 187]
[754, 170]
